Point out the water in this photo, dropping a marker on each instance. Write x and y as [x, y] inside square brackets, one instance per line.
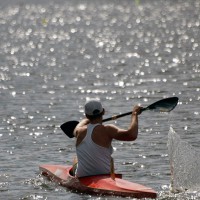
[56, 54]
[184, 163]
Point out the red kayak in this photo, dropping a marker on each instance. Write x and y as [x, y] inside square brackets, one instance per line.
[97, 185]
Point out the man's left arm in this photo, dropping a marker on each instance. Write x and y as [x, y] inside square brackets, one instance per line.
[82, 123]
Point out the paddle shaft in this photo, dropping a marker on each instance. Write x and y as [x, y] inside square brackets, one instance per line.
[121, 115]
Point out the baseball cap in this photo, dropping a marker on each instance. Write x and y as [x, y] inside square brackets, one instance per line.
[93, 107]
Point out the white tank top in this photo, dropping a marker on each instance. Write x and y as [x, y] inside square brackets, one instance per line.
[93, 159]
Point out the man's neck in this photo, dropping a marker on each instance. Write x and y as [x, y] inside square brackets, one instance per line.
[96, 121]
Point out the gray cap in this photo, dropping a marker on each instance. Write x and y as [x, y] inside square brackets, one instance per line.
[93, 107]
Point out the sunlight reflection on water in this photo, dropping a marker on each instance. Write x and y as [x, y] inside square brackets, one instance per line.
[55, 55]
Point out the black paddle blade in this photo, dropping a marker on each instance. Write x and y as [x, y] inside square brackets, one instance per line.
[164, 105]
[68, 128]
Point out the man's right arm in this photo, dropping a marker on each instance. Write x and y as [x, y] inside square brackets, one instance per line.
[125, 135]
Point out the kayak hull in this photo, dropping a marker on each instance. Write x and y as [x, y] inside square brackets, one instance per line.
[97, 185]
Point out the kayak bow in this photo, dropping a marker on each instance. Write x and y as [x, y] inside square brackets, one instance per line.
[97, 185]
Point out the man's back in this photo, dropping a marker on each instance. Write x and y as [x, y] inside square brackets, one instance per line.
[93, 158]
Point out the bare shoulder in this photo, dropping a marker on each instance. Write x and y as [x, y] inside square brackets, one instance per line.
[117, 133]
[80, 134]
[111, 130]
[80, 131]
[107, 128]
[111, 127]
[104, 130]
[80, 126]
[100, 129]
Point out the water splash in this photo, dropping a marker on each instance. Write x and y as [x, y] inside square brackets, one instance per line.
[184, 164]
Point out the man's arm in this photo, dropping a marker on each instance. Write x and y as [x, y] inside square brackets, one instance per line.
[125, 135]
[81, 124]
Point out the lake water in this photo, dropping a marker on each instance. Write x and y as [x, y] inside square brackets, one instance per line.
[56, 54]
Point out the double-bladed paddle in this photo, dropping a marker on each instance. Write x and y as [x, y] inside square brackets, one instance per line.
[163, 105]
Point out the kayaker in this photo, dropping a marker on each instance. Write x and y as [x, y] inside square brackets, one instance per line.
[93, 143]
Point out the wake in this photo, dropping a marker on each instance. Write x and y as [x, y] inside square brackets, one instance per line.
[184, 164]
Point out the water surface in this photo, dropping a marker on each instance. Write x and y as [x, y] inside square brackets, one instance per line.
[56, 54]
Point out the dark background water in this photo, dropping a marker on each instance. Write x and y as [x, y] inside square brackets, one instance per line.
[56, 54]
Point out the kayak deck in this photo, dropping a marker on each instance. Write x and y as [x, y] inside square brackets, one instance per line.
[98, 185]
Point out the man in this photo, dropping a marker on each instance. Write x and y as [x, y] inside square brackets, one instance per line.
[93, 144]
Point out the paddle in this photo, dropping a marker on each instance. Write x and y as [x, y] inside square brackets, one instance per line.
[163, 105]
